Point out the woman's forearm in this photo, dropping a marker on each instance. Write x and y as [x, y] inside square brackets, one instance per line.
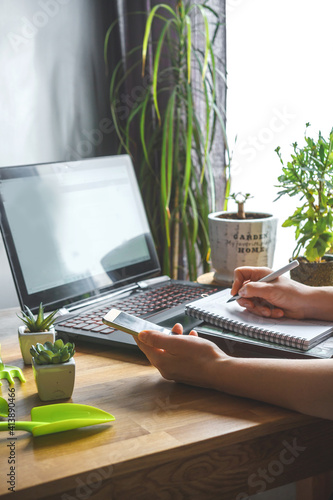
[319, 303]
[302, 385]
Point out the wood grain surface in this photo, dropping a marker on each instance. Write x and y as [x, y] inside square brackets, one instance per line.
[169, 441]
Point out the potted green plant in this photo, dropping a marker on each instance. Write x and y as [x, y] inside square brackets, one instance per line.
[54, 369]
[240, 239]
[179, 115]
[37, 328]
[309, 176]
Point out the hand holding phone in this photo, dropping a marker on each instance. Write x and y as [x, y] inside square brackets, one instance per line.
[131, 324]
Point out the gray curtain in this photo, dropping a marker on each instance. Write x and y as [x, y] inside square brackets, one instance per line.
[218, 153]
[54, 93]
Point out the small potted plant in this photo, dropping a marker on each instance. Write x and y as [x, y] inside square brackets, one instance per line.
[37, 328]
[309, 175]
[54, 369]
[240, 239]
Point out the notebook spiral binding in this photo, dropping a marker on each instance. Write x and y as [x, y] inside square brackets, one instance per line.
[243, 329]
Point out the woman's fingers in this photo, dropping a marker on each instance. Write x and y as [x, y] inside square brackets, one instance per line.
[177, 329]
[261, 308]
[245, 274]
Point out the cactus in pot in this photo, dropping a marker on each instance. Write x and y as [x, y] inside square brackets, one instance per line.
[36, 329]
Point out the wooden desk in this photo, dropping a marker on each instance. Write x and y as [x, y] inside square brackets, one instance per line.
[168, 440]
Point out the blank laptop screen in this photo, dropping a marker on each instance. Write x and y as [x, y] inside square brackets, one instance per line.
[74, 228]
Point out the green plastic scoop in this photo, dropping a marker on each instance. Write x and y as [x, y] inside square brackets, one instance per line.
[59, 417]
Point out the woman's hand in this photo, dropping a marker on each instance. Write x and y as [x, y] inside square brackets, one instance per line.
[281, 297]
[183, 358]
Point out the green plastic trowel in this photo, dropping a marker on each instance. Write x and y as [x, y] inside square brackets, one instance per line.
[59, 417]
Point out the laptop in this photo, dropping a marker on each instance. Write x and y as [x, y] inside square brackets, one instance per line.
[78, 240]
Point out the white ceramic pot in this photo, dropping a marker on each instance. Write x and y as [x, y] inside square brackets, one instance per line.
[54, 381]
[240, 242]
[27, 339]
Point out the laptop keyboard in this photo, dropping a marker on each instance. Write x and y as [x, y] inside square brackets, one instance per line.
[139, 304]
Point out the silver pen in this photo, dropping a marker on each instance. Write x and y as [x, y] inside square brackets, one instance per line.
[272, 276]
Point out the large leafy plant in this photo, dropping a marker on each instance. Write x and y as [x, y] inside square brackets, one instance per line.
[176, 139]
[309, 174]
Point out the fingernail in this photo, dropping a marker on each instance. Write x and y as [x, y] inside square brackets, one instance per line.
[242, 292]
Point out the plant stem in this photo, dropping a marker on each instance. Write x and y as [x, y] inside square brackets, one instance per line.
[176, 234]
[241, 212]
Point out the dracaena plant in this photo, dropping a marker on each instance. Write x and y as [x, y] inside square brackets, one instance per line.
[38, 323]
[176, 173]
[309, 174]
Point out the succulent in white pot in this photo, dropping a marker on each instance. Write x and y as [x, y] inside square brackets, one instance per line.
[54, 369]
[37, 328]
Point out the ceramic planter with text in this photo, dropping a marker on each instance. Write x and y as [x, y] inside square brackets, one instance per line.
[54, 369]
[240, 239]
[36, 329]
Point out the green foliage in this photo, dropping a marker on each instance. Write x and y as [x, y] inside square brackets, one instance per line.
[240, 198]
[176, 175]
[48, 353]
[38, 323]
[309, 173]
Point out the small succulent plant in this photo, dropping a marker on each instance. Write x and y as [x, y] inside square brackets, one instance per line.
[38, 323]
[48, 353]
[240, 199]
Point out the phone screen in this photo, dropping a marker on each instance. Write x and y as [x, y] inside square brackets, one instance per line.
[130, 324]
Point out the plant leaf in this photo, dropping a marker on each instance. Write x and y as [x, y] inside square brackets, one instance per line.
[148, 28]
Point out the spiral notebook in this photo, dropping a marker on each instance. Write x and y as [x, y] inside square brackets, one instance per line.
[300, 334]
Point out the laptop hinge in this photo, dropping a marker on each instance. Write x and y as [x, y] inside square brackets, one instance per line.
[140, 285]
[153, 281]
[81, 305]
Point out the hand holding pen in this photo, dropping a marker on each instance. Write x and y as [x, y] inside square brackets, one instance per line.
[272, 276]
[283, 297]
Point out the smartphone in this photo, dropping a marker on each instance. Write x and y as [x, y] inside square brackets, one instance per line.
[130, 324]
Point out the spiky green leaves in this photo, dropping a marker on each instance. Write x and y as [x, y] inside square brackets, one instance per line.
[48, 353]
[38, 323]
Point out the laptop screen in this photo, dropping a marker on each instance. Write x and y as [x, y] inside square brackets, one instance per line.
[74, 229]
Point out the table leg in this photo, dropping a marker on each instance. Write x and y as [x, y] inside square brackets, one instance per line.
[314, 488]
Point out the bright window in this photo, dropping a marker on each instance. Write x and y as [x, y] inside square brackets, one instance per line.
[279, 77]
